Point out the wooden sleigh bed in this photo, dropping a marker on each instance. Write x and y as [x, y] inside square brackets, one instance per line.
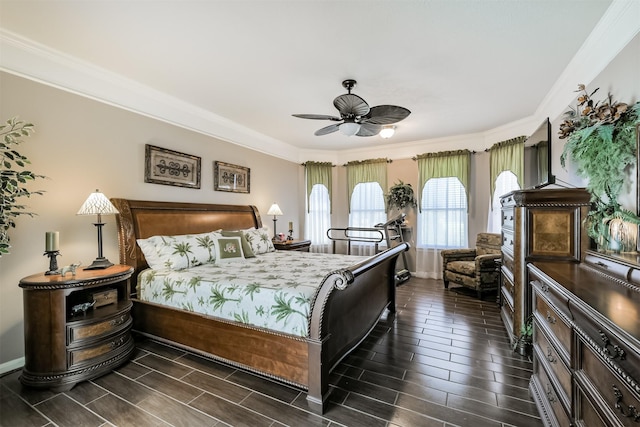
[347, 306]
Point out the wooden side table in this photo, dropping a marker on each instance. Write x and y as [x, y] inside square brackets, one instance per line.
[65, 344]
[293, 245]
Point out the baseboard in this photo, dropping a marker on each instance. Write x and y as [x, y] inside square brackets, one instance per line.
[11, 365]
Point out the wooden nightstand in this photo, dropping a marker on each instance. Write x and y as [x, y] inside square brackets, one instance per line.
[293, 245]
[63, 348]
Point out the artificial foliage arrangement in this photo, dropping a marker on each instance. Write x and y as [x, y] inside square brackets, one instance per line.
[13, 177]
[601, 141]
[401, 196]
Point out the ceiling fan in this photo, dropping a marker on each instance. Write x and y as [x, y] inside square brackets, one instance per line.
[356, 117]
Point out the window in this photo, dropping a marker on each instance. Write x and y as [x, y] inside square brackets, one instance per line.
[318, 216]
[367, 210]
[505, 183]
[443, 221]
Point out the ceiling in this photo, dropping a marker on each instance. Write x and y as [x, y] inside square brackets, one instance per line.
[460, 66]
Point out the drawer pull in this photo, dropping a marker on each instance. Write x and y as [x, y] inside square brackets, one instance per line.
[550, 318]
[117, 343]
[551, 396]
[630, 411]
[615, 351]
[550, 357]
[601, 264]
[119, 321]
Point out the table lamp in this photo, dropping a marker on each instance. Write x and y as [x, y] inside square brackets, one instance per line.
[98, 204]
[275, 211]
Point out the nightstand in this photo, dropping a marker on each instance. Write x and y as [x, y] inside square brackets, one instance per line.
[65, 344]
[293, 245]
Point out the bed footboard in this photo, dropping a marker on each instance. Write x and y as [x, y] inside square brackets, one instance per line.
[348, 305]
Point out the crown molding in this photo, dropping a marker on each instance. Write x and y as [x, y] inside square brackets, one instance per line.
[26, 58]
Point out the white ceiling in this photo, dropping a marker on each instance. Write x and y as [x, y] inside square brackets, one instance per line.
[460, 66]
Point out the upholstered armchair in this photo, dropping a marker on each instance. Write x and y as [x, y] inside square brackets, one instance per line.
[475, 268]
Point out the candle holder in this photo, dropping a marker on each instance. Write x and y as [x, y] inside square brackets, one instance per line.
[53, 262]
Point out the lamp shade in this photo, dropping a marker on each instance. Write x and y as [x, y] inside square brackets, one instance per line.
[275, 210]
[349, 128]
[97, 204]
[387, 131]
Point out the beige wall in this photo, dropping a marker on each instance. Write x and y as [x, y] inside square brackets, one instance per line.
[81, 145]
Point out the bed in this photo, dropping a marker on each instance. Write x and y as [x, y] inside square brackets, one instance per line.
[347, 303]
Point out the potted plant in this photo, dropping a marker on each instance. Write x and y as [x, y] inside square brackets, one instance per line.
[401, 196]
[13, 178]
[601, 141]
[524, 343]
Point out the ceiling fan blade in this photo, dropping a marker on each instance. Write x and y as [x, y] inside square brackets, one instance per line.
[317, 117]
[327, 129]
[351, 105]
[368, 129]
[386, 115]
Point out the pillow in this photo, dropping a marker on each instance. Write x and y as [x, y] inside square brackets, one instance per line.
[179, 252]
[259, 239]
[246, 247]
[228, 249]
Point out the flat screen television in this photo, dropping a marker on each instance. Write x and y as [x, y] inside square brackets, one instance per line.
[537, 157]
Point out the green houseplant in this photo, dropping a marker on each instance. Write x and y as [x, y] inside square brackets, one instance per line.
[401, 196]
[601, 141]
[13, 177]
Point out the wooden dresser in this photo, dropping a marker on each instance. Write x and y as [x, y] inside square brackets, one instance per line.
[537, 225]
[587, 341]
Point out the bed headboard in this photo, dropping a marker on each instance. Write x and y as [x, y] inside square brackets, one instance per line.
[141, 219]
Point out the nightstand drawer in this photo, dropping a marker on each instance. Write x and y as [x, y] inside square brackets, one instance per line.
[78, 332]
[103, 350]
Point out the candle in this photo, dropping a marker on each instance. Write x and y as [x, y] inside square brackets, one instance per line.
[290, 225]
[51, 241]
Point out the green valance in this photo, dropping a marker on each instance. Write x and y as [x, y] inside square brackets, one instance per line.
[506, 156]
[372, 170]
[444, 164]
[318, 173]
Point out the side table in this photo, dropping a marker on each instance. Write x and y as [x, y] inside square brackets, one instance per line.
[67, 339]
[293, 245]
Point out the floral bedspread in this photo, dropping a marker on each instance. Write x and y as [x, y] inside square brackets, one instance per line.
[273, 290]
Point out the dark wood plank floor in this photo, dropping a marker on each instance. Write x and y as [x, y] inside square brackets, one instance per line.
[443, 361]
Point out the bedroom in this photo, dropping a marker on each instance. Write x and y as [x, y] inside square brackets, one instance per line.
[82, 144]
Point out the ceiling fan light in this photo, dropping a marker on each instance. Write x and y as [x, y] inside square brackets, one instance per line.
[349, 128]
[387, 131]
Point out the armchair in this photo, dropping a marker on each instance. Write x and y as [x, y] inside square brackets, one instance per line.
[476, 268]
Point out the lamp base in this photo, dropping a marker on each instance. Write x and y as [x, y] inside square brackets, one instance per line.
[99, 264]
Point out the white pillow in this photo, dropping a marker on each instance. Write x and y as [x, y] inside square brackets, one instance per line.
[259, 239]
[228, 249]
[179, 252]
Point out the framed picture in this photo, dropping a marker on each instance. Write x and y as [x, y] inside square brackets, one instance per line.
[168, 167]
[233, 178]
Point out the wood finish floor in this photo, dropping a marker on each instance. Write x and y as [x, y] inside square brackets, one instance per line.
[443, 361]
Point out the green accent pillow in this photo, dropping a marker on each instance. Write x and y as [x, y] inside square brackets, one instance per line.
[228, 249]
[246, 247]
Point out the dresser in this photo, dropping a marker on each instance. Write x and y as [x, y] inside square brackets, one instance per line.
[76, 327]
[537, 225]
[587, 340]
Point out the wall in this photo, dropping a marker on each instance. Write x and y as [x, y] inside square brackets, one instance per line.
[81, 145]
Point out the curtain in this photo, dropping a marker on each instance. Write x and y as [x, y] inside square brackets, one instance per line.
[506, 156]
[442, 165]
[318, 173]
[373, 170]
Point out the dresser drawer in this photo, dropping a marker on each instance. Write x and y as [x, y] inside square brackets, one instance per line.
[79, 332]
[551, 319]
[507, 218]
[550, 397]
[507, 242]
[616, 394]
[550, 358]
[508, 266]
[102, 350]
[586, 415]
